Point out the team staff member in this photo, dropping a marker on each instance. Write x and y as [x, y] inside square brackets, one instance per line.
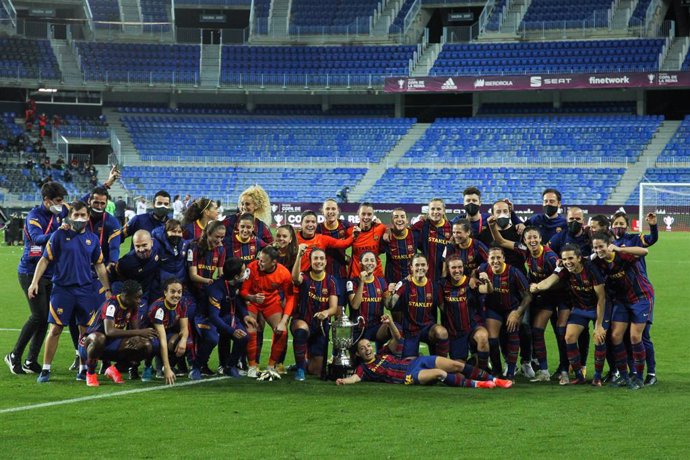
[74, 252]
[41, 222]
[549, 223]
[150, 220]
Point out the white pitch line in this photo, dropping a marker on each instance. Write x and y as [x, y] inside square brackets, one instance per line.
[106, 395]
[6, 329]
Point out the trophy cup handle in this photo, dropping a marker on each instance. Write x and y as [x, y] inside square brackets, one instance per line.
[361, 333]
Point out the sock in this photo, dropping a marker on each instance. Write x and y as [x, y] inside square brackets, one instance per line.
[278, 344]
[495, 353]
[513, 344]
[46, 367]
[562, 349]
[574, 357]
[539, 347]
[639, 358]
[483, 360]
[599, 359]
[457, 380]
[621, 357]
[251, 349]
[649, 350]
[259, 344]
[91, 365]
[475, 373]
[82, 368]
[525, 334]
[299, 344]
[442, 348]
[583, 342]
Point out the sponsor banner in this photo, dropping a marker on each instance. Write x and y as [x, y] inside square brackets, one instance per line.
[537, 82]
[676, 218]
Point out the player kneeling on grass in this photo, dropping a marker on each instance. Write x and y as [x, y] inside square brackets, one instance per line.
[586, 285]
[168, 316]
[424, 370]
[113, 335]
[317, 301]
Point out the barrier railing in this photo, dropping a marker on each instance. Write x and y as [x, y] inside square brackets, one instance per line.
[20, 72]
[116, 146]
[143, 77]
[208, 3]
[89, 15]
[461, 34]
[11, 12]
[668, 30]
[485, 15]
[360, 26]
[305, 81]
[579, 28]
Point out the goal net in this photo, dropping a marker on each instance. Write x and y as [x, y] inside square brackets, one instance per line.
[669, 201]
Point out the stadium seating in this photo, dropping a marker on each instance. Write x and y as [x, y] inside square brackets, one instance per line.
[105, 10]
[84, 127]
[399, 20]
[24, 58]
[609, 138]
[678, 197]
[126, 62]
[294, 140]
[686, 63]
[587, 186]
[306, 185]
[678, 148]
[628, 55]
[534, 108]
[566, 13]
[180, 3]
[493, 24]
[308, 17]
[639, 12]
[156, 11]
[276, 65]
[278, 109]
[8, 128]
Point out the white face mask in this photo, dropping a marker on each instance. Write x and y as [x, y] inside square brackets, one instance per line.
[55, 209]
[245, 275]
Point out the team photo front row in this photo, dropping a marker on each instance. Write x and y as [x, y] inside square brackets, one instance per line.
[480, 291]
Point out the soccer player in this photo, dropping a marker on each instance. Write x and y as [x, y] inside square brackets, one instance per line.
[550, 222]
[575, 234]
[335, 227]
[74, 252]
[586, 285]
[267, 281]
[367, 297]
[197, 216]
[221, 322]
[506, 301]
[599, 223]
[317, 300]
[286, 244]
[368, 239]
[307, 235]
[113, 334]
[255, 201]
[205, 260]
[243, 244]
[433, 234]
[424, 370]
[150, 220]
[541, 262]
[418, 298]
[40, 224]
[168, 316]
[470, 251]
[461, 315]
[400, 245]
[633, 301]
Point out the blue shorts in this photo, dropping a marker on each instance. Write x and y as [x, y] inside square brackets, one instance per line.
[112, 349]
[460, 347]
[411, 342]
[498, 316]
[637, 313]
[584, 320]
[78, 302]
[416, 366]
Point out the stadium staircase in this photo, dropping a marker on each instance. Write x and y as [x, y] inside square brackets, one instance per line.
[280, 11]
[210, 65]
[647, 159]
[130, 155]
[426, 60]
[67, 61]
[117, 189]
[621, 16]
[130, 11]
[376, 170]
[676, 54]
[387, 17]
[513, 18]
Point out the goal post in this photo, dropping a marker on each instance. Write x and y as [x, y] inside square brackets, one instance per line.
[670, 201]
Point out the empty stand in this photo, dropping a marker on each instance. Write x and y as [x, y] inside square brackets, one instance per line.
[678, 149]
[549, 14]
[309, 17]
[24, 58]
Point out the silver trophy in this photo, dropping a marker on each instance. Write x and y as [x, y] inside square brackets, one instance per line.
[342, 338]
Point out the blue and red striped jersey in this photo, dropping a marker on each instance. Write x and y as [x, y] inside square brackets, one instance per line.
[460, 314]
[418, 304]
[261, 230]
[336, 259]
[581, 286]
[113, 309]
[475, 254]
[313, 296]
[399, 252]
[626, 278]
[508, 285]
[385, 369]
[208, 263]
[432, 241]
[245, 250]
[192, 231]
[371, 308]
[169, 316]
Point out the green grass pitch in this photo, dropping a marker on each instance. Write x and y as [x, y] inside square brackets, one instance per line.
[314, 419]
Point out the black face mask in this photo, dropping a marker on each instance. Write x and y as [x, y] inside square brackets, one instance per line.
[174, 240]
[503, 222]
[77, 225]
[161, 211]
[472, 209]
[618, 232]
[550, 210]
[96, 213]
[574, 227]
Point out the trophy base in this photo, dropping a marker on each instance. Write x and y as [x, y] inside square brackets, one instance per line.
[339, 372]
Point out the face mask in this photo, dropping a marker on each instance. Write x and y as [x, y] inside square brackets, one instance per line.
[618, 232]
[77, 225]
[245, 275]
[550, 210]
[472, 209]
[161, 211]
[574, 227]
[96, 213]
[55, 208]
[174, 240]
[503, 222]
